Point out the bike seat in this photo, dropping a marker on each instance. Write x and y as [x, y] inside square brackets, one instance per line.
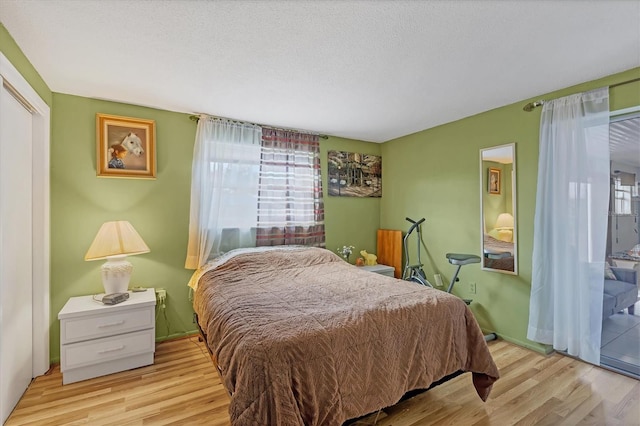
[462, 259]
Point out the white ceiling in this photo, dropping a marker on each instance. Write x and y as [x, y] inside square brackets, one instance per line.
[369, 70]
[502, 154]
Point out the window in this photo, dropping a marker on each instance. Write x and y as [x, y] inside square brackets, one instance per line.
[239, 168]
[224, 188]
[624, 134]
[622, 197]
[253, 186]
[290, 207]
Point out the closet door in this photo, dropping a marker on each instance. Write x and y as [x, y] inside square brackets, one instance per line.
[16, 246]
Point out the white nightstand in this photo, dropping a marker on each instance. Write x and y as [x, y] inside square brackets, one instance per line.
[380, 269]
[97, 339]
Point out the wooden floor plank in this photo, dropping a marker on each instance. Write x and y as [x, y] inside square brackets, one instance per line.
[538, 414]
[183, 388]
[628, 409]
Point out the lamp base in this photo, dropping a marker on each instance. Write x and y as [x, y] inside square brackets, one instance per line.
[505, 235]
[116, 273]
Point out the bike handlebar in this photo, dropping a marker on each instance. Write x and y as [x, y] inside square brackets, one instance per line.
[415, 224]
[413, 221]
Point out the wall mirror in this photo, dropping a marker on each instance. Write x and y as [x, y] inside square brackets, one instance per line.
[498, 227]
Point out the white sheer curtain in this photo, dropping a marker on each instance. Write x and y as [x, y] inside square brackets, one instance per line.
[226, 166]
[570, 225]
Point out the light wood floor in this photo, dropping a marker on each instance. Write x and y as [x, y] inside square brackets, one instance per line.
[183, 388]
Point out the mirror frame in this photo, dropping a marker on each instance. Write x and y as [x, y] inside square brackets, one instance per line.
[484, 192]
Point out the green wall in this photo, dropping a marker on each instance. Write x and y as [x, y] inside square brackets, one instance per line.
[15, 55]
[81, 202]
[434, 174]
[350, 221]
[158, 209]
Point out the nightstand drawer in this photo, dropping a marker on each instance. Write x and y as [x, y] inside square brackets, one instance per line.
[107, 324]
[109, 348]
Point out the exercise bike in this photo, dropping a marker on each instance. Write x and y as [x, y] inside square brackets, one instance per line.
[416, 274]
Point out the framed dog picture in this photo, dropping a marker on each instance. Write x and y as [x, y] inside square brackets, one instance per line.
[494, 181]
[126, 147]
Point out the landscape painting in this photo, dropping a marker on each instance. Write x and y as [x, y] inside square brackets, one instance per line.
[353, 174]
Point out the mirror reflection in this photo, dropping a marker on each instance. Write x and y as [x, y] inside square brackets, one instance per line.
[498, 209]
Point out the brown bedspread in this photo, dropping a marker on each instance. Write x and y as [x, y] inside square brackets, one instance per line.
[302, 337]
[496, 246]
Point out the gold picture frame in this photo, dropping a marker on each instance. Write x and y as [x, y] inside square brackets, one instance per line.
[126, 147]
[493, 181]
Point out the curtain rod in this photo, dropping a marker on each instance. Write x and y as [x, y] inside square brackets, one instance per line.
[197, 117]
[532, 105]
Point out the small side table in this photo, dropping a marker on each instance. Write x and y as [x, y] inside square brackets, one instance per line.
[380, 269]
[97, 339]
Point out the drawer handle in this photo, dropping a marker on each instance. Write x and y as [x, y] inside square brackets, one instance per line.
[119, 348]
[111, 324]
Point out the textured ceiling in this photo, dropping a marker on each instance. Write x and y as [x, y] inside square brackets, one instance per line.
[369, 70]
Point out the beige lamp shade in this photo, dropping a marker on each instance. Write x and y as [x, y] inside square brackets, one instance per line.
[504, 221]
[116, 238]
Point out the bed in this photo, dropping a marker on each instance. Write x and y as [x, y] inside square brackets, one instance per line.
[498, 254]
[301, 337]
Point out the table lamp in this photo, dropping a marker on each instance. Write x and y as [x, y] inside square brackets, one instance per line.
[504, 226]
[114, 242]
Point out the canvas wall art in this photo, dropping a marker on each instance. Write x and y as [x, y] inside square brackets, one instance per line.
[352, 174]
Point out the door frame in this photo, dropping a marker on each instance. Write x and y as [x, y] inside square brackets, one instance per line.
[41, 114]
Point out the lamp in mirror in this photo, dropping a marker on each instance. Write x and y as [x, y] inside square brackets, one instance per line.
[504, 226]
[114, 242]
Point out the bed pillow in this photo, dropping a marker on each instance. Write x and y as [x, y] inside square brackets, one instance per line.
[608, 273]
[224, 257]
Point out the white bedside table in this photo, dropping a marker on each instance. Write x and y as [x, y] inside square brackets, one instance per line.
[97, 339]
[380, 269]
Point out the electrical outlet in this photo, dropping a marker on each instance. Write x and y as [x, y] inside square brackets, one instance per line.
[472, 288]
[161, 295]
[438, 280]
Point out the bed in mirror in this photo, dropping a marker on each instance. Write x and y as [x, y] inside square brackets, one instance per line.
[498, 209]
